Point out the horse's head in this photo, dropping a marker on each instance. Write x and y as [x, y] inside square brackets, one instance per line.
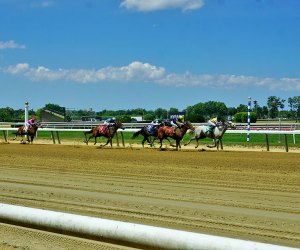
[39, 125]
[188, 125]
[230, 124]
[119, 124]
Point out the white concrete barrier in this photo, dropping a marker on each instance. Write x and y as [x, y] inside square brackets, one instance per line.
[148, 236]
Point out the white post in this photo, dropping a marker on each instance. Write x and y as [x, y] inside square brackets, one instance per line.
[26, 114]
[249, 110]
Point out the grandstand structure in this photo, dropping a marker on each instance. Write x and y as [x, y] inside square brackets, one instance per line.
[50, 115]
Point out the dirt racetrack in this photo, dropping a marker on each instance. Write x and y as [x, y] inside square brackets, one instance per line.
[246, 195]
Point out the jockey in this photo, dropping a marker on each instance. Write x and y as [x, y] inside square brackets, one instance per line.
[110, 121]
[155, 122]
[177, 122]
[212, 123]
[30, 122]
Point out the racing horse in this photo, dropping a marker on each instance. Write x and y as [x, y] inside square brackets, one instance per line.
[105, 131]
[149, 131]
[31, 132]
[203, 131]
[175, 133]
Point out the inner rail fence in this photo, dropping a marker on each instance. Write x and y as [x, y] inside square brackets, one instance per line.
[54, 129]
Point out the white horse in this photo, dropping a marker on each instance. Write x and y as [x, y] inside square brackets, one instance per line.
[202, 132]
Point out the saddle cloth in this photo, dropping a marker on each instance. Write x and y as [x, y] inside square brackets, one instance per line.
[169, 131]
[102, 129]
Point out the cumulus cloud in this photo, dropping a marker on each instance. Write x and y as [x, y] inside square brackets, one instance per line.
[41, 4]
[153, 5]
[11, 45]
[139, 72]
[135, 71]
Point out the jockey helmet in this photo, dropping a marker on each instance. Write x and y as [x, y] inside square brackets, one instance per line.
[214, 119]
[33, 118]
[181, 118]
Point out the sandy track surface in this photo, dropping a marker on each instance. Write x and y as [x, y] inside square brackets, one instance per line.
[246, 195]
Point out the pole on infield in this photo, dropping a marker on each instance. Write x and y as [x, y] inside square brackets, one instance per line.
[248, 127]
[26, 114]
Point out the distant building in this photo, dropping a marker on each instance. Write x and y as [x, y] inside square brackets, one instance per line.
[49, 115]
[137, 118]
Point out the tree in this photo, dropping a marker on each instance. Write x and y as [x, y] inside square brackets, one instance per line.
[173, 110]
[242, 108]
[274, 103]
[160, 113]
[243, 117]
[149, 117]
[294, 104]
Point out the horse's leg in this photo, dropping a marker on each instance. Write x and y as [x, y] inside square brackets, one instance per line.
[177, 144]
[169, 141]
[213, 146]
[109, 139]
[16, 136]
[190, 141]
[160, 142]
[95, 140]
[105, 143]
[143, 141]
[152, 143]
[197, 144]
[221, 143]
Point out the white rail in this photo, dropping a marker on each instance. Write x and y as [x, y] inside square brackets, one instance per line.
[244, 131]
[136, 234]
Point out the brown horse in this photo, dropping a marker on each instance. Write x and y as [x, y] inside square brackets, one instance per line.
[31, 132]
[174, 133]
[105, 131]
[149, 131]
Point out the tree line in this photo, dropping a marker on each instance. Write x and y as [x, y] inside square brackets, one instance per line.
[200, 112]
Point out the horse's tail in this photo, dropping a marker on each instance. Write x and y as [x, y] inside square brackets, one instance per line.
[88, 132]
[136, 134]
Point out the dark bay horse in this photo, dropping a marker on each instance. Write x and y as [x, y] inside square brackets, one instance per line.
[202, 132]
[31, 132]
[149, 131]
[165, 131]
[105, 131]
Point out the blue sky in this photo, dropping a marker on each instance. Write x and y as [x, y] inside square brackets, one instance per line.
[124, 54]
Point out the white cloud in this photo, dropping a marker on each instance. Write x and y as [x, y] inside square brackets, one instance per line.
[153, 5]
[11, 45]
[146, 73]
[41, 4]
[135, 71]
